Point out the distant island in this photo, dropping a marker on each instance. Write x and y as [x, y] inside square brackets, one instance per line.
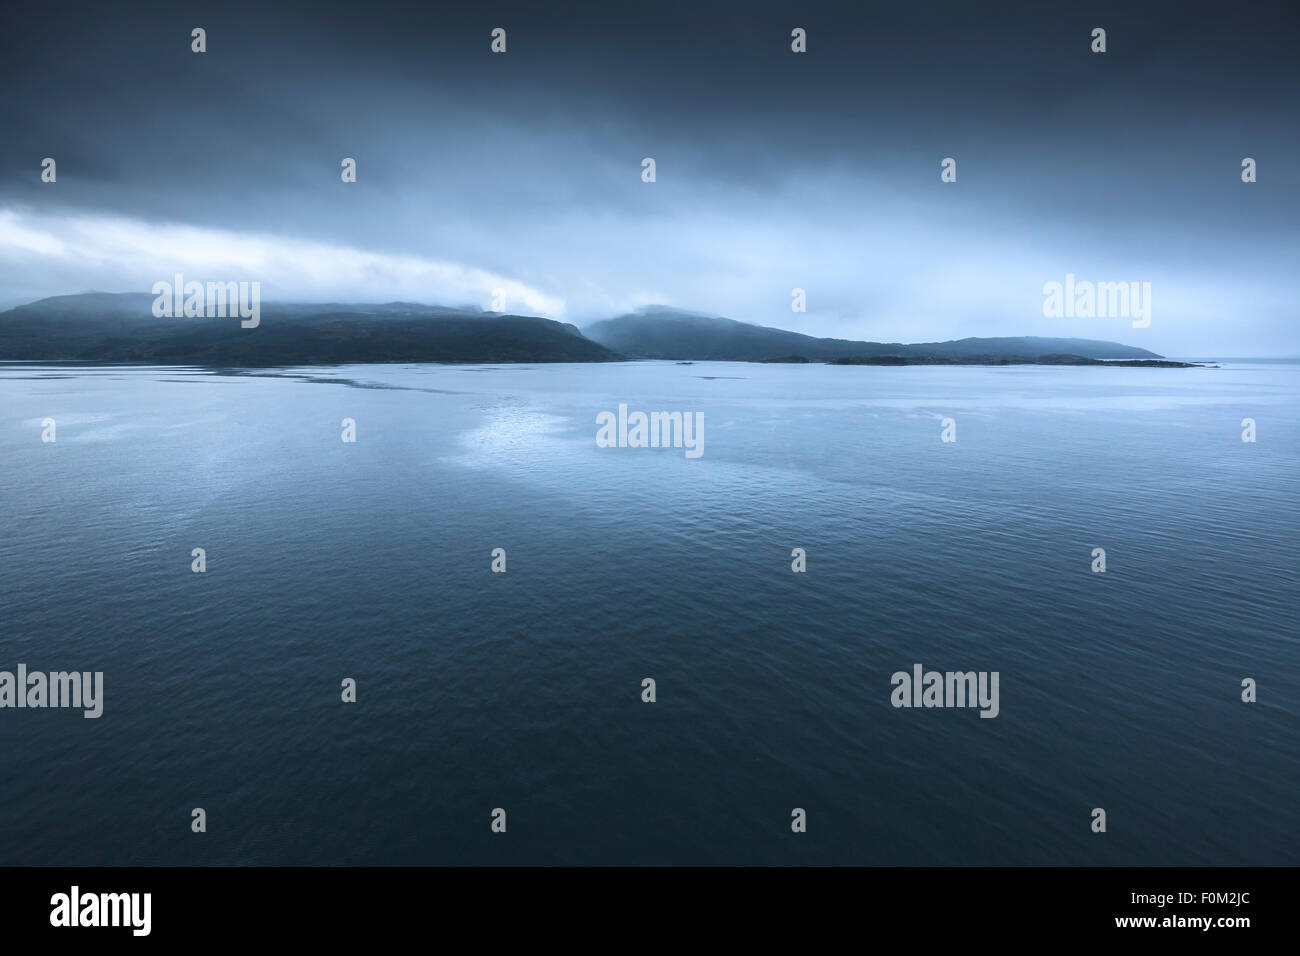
[663, 333]
[1008, 360]
[120, 328]
[985, 360]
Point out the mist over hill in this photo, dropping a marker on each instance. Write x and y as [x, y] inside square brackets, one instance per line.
[659, 333]
[121, 328]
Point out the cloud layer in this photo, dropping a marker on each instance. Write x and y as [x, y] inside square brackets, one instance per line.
[776, 171]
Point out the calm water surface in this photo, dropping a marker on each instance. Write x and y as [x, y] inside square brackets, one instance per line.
[476, 690]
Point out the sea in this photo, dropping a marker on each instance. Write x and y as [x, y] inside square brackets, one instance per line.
[645, 678]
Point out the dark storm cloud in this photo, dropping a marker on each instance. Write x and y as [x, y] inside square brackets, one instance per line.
[775, 170]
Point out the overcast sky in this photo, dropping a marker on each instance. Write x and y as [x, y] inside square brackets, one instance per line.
[522, 171]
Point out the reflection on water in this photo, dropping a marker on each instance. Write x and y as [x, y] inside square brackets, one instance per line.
[370, 560]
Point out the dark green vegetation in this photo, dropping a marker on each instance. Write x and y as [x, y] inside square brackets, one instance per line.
[668, 334]
[121, 328]
[103, 327]
[1006, 360]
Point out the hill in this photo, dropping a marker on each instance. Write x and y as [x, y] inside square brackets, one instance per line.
[659, 333]
[121, 328]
